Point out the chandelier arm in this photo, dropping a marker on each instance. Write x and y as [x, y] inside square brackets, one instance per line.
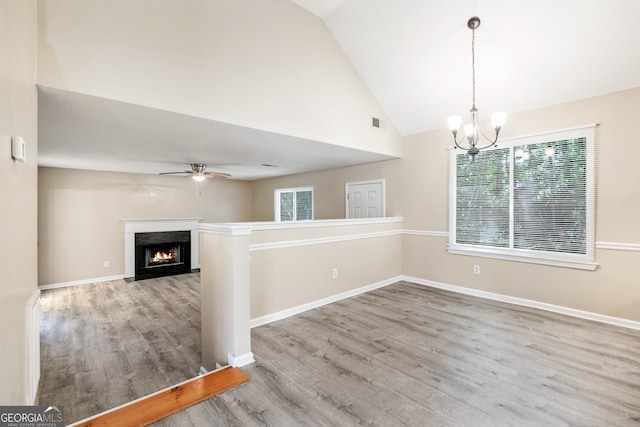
[455, 140]
[491, 142]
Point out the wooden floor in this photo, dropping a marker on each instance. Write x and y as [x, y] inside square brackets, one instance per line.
[410, 355]
[105, 344]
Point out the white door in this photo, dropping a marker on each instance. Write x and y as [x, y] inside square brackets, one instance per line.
[365, 199]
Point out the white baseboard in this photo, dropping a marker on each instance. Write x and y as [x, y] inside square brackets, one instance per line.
[263, 320]
[80, 282]
[33, 346]
[241, 360]
[596, 317]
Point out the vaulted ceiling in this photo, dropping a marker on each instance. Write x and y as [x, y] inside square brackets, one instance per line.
[415, 58]
[415, 55]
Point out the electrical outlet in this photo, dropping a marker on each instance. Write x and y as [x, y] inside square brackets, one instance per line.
[106, 264]
[476, 269]
[334, 273]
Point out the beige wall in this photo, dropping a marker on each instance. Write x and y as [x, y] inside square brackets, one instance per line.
[417, 189]
[81, 212]
[286, 277]
[18, 193]
[234, 61]
[611, 289]
[328, 190]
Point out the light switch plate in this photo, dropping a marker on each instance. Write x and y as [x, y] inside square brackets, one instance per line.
[18, 148]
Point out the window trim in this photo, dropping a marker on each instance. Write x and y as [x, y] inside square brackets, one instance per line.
[579, 261]
[276, 202]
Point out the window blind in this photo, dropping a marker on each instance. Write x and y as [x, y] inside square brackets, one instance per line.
[286, 206]
[482, 199]
[532, 199]
[550, 196]
[304, 205]
[294, 204]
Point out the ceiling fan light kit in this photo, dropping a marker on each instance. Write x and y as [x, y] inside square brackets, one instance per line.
[471, 130]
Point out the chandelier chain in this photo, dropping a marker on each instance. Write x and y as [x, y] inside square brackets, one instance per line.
[473, 65]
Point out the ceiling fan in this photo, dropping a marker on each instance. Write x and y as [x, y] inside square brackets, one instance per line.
[198, 172]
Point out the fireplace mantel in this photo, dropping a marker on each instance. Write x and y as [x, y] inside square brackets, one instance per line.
[133, 226]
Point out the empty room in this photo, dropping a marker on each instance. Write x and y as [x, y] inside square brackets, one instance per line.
[371, 212]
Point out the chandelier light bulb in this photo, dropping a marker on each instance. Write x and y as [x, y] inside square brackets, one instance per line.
[498, 119]
[469, 129]
[199, 178]
[454, 123]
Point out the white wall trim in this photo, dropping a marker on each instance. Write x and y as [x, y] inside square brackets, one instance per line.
[245, 228]
[33, 347]
[159, 224]
[320, 223]
[426, 233]
[225, 229]
[321, 240]
[283, 314]
[241, 360]
[581, 314]
[616, 246]
[556, 260]
[81, 282]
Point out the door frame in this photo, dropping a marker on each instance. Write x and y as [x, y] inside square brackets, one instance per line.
[372, 181]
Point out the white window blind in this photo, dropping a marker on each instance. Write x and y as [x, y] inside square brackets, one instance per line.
[482, 203]
[294, 204]
[531, 199]
[550, 196]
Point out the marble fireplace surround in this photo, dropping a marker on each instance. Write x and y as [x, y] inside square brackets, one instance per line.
[133, 226]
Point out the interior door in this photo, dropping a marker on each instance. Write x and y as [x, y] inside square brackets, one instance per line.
[365, 199]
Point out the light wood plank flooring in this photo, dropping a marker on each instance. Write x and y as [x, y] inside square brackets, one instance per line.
[105, 344]
[410, 355]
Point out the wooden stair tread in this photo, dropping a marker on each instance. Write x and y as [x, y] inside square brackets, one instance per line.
[167, 402]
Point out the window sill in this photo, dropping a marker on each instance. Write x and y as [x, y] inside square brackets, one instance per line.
[565, 260]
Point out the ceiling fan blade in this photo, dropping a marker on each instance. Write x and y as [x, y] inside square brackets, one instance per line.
[173, 173]
[217, 175]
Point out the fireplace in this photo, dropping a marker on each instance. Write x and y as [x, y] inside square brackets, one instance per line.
[162, 254]
[132, 227]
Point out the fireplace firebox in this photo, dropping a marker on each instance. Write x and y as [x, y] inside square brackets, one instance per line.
[162, 254]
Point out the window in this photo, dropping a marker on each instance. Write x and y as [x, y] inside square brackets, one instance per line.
[294, 204]
[530, 199]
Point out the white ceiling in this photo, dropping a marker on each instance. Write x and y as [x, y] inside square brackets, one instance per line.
[415, 57]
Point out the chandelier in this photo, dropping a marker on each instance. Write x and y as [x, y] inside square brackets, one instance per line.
[471, 130]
